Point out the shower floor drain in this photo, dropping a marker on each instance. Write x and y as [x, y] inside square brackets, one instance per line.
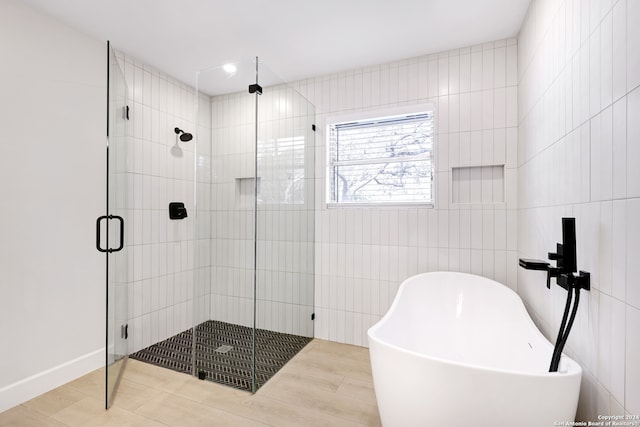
[223, 349]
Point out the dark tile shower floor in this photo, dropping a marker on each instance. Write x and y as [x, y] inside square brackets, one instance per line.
[223, 353]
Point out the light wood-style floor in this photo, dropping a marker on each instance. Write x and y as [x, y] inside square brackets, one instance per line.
[326, 384]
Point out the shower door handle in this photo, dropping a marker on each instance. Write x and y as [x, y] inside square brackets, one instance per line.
[98, 222]
[121, 220]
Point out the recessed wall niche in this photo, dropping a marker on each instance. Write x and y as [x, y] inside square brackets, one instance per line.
[245, 188]
[477, 184]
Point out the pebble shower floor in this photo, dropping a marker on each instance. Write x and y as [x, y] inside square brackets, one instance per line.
[223, 353]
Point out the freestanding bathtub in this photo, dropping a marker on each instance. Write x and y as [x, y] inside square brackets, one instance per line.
[456, 349]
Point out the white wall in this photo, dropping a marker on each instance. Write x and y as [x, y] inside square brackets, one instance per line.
[579, 105]
[363, 254]
[52, 186]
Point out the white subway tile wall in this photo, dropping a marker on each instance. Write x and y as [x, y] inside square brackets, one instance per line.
[578, 155]
[231, 254]
[160, 251]
[363, 254]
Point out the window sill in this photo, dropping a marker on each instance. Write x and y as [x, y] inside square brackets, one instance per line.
[379, 205]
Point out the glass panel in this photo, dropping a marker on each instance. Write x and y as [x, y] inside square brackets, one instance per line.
[117, 131]
[285, 225]
[224, 253]
[162, 210]
[255, 195]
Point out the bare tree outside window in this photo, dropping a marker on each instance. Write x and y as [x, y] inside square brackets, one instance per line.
[386, 160]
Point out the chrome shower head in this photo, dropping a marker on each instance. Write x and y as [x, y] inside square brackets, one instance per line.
[184, 137]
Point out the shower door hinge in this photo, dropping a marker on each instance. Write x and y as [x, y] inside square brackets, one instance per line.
[313, 316]
[125, 112]
[313, 128]
[124, 331]
[255, 88]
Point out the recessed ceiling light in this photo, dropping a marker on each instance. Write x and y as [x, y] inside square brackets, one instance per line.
[229, 68]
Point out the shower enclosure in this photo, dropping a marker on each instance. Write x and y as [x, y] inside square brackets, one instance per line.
[215, 274]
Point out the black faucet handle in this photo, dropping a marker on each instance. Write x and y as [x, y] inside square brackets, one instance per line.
[558, 255]
[569, 262]
[552, 272]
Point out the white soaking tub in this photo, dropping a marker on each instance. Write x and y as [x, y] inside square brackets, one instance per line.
[456, 349]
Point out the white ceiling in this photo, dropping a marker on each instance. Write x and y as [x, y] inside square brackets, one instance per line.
[293, 38]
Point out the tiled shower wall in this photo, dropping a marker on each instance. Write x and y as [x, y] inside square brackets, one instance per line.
[231, 229]
[579, 151]
[285, 210]
[161, 251]
[363, 254]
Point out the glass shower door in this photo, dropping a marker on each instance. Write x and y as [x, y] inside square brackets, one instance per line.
[111, 227]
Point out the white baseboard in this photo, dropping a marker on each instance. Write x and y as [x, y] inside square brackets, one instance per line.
[30, 387]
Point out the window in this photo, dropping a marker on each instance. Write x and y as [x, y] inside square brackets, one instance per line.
[381, 159]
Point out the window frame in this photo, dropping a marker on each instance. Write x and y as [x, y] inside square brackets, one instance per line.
[373, 115]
